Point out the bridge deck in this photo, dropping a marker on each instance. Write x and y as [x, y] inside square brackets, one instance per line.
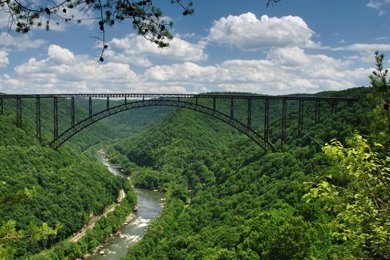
[155, 95]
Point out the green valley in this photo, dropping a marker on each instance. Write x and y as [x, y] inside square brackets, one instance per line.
[322, 195]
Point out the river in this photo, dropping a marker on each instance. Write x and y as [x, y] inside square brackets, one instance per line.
[149, 207]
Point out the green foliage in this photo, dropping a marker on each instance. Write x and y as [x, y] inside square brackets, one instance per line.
[380, 81]
[355, 192]
[46, 195]
[93, 237]
[380, 116]
[227, 199]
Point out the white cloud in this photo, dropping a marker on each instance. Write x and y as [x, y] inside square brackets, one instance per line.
[20, 43]
[381, 5]
[247, 32]
[56, 53]
[136, 50]
[365, 47]
[293, 56]
[286, 70]
[3, 58]
[63, 71]
[282, 71]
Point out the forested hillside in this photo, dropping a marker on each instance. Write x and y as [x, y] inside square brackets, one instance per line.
[48, 195]
[44, 188]
[229, 199]
[323, 194]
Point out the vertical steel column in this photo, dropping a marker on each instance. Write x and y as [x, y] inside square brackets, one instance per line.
[249, 113]
[38, 118]
[108, 102]
[334, 106]
[90, 106]
[1, 106]
[284, 120]
[317, 115]
[214, 103]
[55, 108]
[300, 119]
[125, 100]
[18, 112]
[266, 119]
[231, 107]
[72, 111]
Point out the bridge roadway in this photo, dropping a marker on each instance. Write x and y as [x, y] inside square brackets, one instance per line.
[307, 97]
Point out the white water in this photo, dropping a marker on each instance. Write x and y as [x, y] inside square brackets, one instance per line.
[149, 207]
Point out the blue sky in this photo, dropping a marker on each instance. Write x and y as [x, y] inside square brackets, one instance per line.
[294, 46]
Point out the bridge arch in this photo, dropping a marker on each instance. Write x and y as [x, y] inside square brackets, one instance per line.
[67, 134]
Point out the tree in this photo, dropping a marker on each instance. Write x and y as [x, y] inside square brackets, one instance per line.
[380, 81]
[143, 15]
[355, 191]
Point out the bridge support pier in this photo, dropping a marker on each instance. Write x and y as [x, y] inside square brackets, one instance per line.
[38, 118]
[108, 102]
[266, 119]
[284, 121]
[72, 112]
[232, 107]
[300, 119]
[55, 113]
[18, 112]
[90, 106]
[334, 106]
[1, 106]
[249, 113]
[317, 115]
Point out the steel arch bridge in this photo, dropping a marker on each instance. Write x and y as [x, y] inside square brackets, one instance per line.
[187, 101]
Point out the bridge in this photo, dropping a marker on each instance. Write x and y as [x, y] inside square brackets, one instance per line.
[208, 104]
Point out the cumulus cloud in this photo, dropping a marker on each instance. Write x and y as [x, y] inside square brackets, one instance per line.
[63, 71]
[3, 58]
[283, 70]
[363, 52]
[136, 50]
[286, 70]
[247, 32]
[56, 53]
[20, 42]
[365, 47]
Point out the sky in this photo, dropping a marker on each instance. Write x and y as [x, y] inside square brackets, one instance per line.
[294, 46]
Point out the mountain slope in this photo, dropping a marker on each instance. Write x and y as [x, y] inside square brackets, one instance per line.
[228, 199]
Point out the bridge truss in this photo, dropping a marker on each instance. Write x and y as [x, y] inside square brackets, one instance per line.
[187, 101]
